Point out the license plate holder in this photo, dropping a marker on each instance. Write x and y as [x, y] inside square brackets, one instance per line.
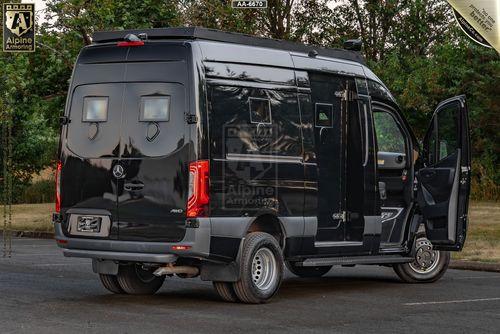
[89, 224]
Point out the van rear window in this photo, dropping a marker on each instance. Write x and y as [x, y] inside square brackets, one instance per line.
[155, 109]
[95, 109]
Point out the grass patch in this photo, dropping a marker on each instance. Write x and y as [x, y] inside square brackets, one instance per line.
[482, 244]
[483, 234]
[31, 217]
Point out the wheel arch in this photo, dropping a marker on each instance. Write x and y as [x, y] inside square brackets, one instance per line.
[268, 223]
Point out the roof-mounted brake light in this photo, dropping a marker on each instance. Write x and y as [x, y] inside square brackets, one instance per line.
[138, 43]
[131, 40]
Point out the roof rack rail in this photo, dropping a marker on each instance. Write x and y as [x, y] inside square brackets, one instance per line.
[228, 37]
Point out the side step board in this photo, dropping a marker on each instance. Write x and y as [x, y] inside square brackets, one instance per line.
[350, 260]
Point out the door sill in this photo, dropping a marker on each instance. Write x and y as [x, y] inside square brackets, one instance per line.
[338, 243]
[351, 260]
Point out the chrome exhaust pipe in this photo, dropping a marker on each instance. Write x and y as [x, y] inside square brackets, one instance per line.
[170, 269]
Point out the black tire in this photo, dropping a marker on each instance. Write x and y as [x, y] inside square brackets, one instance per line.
[258, 284]
[135, 280]
[415, 273]
[226, 291]
[110, 282]
[307, 271]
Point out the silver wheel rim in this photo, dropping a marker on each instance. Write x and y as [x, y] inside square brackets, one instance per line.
[264, 269]
[426, 258]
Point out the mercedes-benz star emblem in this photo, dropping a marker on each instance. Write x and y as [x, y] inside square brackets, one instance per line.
[118, 171]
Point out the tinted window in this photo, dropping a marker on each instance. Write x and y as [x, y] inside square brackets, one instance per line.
[447, 118]
[389, 135]
[324, 114]
[260, 110]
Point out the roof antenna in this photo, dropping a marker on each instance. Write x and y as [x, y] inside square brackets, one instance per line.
[313, 53]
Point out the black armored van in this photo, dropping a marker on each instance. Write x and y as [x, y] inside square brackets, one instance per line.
[188, 151]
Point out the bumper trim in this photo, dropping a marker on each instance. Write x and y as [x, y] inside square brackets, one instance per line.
[120, 256]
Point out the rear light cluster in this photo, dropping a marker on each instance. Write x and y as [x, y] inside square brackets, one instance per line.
[58, 186]
[198, 195]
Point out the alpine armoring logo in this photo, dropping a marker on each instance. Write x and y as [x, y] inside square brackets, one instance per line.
[18, 27]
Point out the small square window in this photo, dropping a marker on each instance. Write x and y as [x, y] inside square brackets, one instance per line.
[324, 115]
[155, 109]
[260, 110]
[95, 109]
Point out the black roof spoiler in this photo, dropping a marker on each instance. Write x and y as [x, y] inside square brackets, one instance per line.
[228, 37]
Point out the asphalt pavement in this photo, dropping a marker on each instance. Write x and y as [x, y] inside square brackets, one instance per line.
[43, 292]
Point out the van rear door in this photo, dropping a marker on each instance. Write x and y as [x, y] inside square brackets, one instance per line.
[92, 147]
[125, 151]
[153, 191]
[444, 182]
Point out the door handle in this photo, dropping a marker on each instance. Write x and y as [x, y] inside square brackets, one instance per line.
[133, 186]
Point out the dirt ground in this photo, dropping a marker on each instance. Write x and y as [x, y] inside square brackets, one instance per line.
[483, 239]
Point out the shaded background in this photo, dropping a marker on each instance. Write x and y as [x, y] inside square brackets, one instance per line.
[414, 46]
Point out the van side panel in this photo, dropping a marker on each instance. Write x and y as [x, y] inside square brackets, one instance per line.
[255, 141]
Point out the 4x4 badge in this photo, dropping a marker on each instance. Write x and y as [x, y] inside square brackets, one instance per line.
[118, 171]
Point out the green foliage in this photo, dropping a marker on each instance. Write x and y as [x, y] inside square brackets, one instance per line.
[389, 138]
[42, 191]
[413, 46]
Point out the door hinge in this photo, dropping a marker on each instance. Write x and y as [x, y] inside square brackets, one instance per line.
[63, 120]
[191, 119]
[342, 216]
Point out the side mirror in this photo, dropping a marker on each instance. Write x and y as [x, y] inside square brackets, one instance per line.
[353, 44]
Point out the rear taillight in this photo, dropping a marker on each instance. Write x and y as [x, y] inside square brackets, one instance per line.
[198, 195]
[58, 186]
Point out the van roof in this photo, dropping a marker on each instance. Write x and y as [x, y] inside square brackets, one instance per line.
[227, 37]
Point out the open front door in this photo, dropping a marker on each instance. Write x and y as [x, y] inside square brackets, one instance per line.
[444, 182]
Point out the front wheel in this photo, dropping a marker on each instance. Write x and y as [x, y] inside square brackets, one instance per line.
[428, 266]
[261, 269]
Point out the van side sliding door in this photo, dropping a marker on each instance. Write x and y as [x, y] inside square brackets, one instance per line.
[444, 183]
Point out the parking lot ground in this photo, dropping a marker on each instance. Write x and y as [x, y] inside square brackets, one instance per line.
[43, 292]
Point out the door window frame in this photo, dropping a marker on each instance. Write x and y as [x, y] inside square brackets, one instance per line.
[430, 133]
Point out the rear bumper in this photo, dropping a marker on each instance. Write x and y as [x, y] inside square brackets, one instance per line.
[198, 239]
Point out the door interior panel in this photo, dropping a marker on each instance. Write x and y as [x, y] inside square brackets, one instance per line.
[444, 183]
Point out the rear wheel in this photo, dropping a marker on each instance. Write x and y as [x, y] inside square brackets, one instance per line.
[307, 271]
[261, 269]
[136, 280]
[428, 266]
[110, 282]
[226, 291]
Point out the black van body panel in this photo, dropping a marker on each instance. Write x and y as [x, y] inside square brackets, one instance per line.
[250, 111]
